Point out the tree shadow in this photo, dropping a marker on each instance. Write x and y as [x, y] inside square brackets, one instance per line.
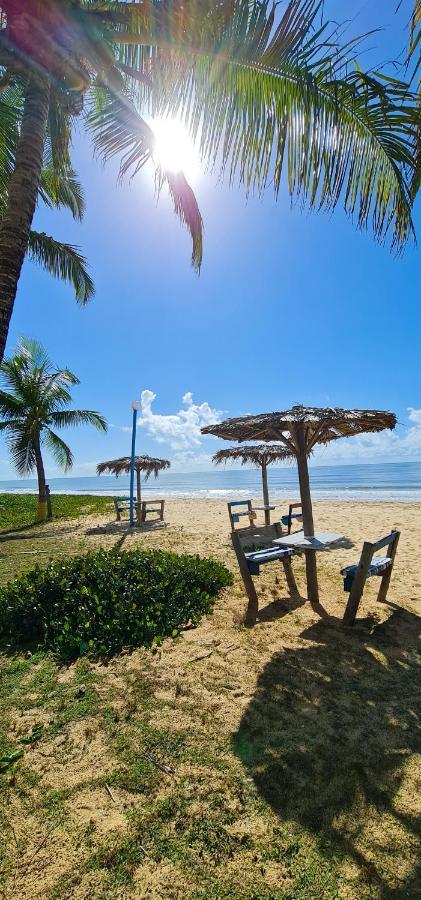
[19, 535]
[277, 609]
[329, 732]
[123, 529]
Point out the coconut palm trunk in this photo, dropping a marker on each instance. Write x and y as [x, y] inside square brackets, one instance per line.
[42, 486]
[22, 196]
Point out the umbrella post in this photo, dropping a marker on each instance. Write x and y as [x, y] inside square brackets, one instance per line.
[307, 510]
[135, 407]
[265, 491]
[139, 497]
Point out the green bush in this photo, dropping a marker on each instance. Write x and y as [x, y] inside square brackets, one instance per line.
[103, 601]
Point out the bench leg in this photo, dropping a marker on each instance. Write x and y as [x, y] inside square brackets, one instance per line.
[253, 604]
[290, 577]
[118, 514]
[162, 511]
[384, 585]
[358, 585]
[385, 581]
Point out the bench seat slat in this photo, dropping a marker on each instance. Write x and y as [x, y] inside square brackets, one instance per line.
[260, 557]
[268, 553]
[378, 565]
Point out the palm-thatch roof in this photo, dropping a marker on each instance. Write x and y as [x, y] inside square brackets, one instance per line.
[255, 454]
[148, 465]
[314, 425]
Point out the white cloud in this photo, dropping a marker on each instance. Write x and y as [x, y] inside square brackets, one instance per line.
[181, 430]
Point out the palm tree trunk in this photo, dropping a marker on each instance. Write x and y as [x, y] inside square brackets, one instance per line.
[42, 486]
[22, 196]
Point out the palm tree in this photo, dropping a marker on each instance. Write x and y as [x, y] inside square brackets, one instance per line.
[414, 56]
[57, 189]
[272, 99]
[32, 405]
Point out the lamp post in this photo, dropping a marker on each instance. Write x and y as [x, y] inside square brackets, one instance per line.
[135, 407]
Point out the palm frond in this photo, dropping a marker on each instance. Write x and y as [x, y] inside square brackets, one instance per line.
[68, 418]
[59, 134]
[276, 100]
[57, 190]
[63, 261]
[187, 209]
[21, 448]
[58, 448]
[10, 406]
[11, 102]
[118, 129]
[414, 51]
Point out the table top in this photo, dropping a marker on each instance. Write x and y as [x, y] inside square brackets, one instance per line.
[319, 541]
[264, 507]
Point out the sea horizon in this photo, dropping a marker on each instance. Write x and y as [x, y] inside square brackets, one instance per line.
[395, 481]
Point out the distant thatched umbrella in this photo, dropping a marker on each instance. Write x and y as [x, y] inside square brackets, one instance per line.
[299, 429]
[259, 455]
[146, 464]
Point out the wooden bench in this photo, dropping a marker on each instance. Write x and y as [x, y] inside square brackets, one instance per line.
[254, 548]
[234, 517]
[369, 565]
[287, 520]
[151, 506]
[121, 504]
[142, 509]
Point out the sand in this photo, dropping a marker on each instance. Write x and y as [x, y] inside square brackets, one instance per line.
[201, 526]
[220, 677]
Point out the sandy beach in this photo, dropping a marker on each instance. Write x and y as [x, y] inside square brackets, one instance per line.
[339, 695]
[201, 526]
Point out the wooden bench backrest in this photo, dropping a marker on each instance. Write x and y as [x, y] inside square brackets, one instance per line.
[260, 536]
[368, 551]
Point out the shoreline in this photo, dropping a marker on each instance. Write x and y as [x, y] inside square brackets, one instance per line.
[367, 495]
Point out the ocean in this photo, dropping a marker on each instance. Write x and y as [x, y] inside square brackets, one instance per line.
[388, 481]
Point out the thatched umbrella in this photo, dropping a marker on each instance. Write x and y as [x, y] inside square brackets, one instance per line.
[299, 429]
[259, 455]
[147, 465]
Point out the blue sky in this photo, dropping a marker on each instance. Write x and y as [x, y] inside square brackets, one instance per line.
[290, 307]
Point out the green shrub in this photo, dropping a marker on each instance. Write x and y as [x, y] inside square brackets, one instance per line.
[103, 601]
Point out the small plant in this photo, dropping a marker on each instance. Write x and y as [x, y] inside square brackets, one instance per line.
[103, 601]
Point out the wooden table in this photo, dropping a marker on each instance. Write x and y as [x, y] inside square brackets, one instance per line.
[321, 540]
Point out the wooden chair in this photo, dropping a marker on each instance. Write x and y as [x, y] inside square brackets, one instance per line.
[253, 548]
[369, 565]
[150, 506]
[121, 504]
[234, 517]
[287, 520]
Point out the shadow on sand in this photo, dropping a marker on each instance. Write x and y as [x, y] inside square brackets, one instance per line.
[122, 529]
[327, 737]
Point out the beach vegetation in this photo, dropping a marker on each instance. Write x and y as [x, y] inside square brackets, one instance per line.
[103, 601]
[33, 402]
[271, 98]
[18, 511]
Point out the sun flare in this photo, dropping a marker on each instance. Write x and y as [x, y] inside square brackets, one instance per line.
[174, 148]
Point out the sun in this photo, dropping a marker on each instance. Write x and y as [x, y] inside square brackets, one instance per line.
[174, 148]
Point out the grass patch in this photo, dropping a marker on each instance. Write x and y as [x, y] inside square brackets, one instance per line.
[17, 511]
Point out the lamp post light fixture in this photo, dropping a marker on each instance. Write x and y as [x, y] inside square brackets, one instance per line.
[136, 405]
